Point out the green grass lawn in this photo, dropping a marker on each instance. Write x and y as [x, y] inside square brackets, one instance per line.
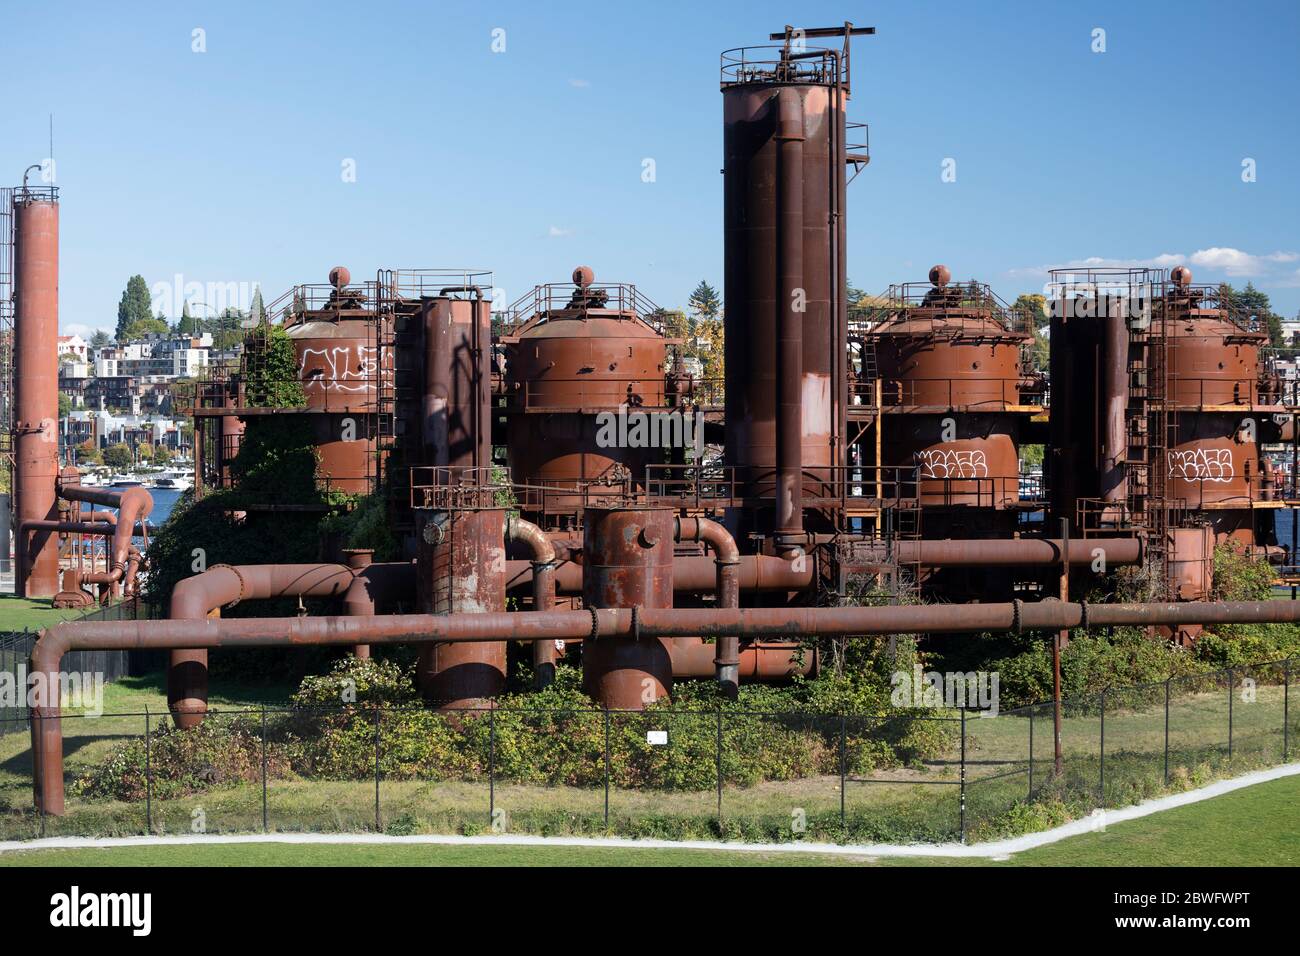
[1210, 833]
[17, 613]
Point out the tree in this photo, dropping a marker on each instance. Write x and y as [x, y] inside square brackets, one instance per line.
[136, 305]
[257, 311]
[162, 455]
[65, 405]
[1253, 306]
[188, 325]
[145, 451]
[88, 453]
[118, 456]
[99, 339]
[143, 328]
[1034, 308]
[704, 301]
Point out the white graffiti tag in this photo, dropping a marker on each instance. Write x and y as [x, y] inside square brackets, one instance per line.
[342, 368]
[1201, 464]
[944, 463]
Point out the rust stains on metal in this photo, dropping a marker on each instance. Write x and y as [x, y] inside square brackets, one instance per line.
[628, 563]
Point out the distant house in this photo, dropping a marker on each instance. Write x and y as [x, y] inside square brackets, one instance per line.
[75, 346]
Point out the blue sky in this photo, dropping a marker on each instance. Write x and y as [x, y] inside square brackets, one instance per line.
[225, 166]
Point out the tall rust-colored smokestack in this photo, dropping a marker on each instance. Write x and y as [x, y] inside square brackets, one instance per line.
[36, 374]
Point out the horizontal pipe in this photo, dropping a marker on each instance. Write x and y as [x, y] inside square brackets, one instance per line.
[47, 654]
[761, 572]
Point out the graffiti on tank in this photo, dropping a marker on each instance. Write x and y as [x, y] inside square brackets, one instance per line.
[949, 463]
[1201, 464]
[333, 370]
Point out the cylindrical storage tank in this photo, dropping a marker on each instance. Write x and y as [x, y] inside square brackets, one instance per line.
[456, 404]
[751, 208]
[1212, 362]
[36, 381]
[1214, 462]
[338, 363]
[339, 366]
[564, 372]
[627, 563]
[462, 570]
[950, 373]
[971, 461]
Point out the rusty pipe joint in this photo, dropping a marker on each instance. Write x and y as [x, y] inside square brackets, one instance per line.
[545, 653]
[727, 559]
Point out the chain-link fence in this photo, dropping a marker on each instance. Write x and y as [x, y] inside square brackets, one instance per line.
[912, 776]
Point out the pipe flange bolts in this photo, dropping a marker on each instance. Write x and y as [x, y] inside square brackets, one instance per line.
[243, 587]
[595, 624]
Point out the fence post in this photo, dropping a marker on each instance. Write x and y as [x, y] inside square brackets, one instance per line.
[606, 768]
[1102, 762]
[1031, 751]
[492, 766]
[961, 785]
[844, 733]
[377, 820]
[1286, 709]
[1167, 683]
[1231, 686]
[719, 767]
[148, 774]
[264, 815]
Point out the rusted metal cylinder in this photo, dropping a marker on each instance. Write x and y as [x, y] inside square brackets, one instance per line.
[727, 557]
[767, 662]
[203, 596]
[545, 653]
[789, 313]
[456, 409]
[1114, 389]
[628, 563]
[462, 569]
[36, 381]
[358, 600]
[754, 183]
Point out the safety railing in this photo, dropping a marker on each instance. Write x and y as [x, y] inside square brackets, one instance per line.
[572, 300]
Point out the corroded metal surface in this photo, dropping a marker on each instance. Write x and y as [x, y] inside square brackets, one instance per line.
[462, 562]
[628, 563]
[36, 378]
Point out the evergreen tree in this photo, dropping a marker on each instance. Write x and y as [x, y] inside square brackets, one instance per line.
[100, 339]
[135, 306]
[188, 325]
[257, 311]
[704, 301]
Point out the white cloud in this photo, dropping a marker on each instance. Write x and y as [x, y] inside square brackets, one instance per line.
[555, 232]
[78, 328]
[580, 84]
[1216, 261]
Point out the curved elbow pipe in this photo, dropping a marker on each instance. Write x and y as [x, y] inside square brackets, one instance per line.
[223, 584]
[545, 653]
[727, 559]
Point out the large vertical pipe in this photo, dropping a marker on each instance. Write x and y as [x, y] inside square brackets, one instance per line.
[456, 400]
[792, 298]
[1114, 449]
[627, 563]
[727, 558]
[462, 569]
[434, 411]
[36, 376]
[545, 653]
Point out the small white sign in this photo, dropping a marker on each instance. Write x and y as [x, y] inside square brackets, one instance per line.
[656, 738]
